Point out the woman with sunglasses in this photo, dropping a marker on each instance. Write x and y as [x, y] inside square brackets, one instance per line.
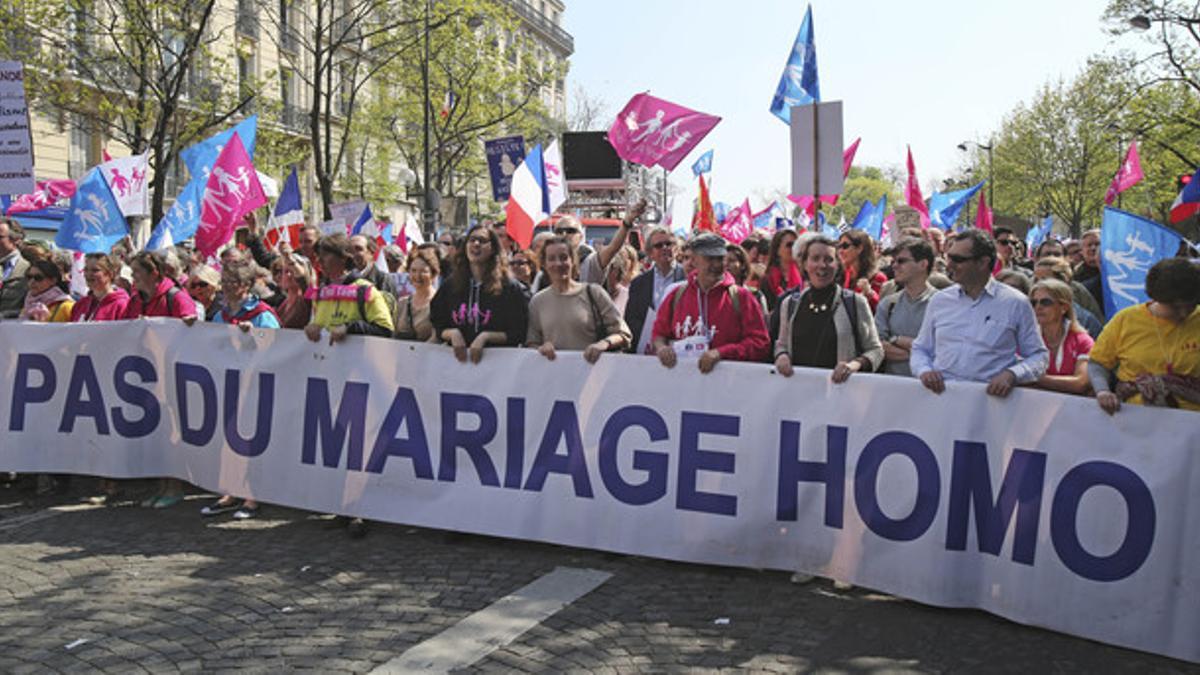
[48, 299]
[104, 301]
[782, 273]
[203, 286]
[857, 254]
[479, 305]
[1067, 340]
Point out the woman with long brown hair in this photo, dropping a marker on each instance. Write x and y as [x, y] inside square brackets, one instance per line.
[856, 251]
[479, 305]
[782, 273]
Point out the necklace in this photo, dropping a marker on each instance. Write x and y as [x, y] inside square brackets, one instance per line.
[1162, 345]
[819, 304]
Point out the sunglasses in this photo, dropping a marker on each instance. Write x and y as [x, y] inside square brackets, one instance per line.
[1043, 302]
[662, 245]
[960, 259]
[902, 261]
[566, 231]
[845, 245]
[35, 277]
[1006, 242]
[198, 284]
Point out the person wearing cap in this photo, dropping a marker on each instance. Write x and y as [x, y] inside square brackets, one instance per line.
[709, 318]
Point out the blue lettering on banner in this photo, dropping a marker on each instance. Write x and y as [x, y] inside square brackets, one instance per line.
[187, 373]
[474, 442]
[84, 381]
[136, 397]
[1020, 492]
[24, 393]
[562, 427]
[831, 472]
[320, 427]
[256, 444]
[415, 446]
[1139, 527]
[866, 482]
[514, 461]
[655, 464]
[693, 460]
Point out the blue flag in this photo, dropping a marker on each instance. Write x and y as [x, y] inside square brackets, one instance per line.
[826, 228]
[200, 157]
[799, 83]
[945, 207]
[289, 197]
[870, 218]
[1038, 233]
[703, 165]
[181, 220]
[1129, 247]
[721, 211]
[94, 222]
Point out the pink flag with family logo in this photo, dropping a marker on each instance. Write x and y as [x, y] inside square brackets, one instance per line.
[651, 131]
[1128, 175]
[45, 193]
[232, 191]
[738, 223]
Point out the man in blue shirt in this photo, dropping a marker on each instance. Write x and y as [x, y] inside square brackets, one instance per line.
[978, 330]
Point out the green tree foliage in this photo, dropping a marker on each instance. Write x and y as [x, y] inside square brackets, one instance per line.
[867, 183]
[144, 72]
[1172, 30]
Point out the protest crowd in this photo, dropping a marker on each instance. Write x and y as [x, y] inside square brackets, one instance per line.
[998, 314]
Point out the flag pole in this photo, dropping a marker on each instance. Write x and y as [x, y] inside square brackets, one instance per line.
[816, 166]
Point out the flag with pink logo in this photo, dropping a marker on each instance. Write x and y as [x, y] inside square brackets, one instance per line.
[912, 193]
[650, 131]
[738, 223]
[46, 193]
[1128, 175]
[232, 191]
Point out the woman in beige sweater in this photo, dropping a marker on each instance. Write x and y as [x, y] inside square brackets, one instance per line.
[570, 315]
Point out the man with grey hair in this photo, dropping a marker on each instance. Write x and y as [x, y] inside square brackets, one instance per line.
[646, 291]
[979, 329]
[13, 265]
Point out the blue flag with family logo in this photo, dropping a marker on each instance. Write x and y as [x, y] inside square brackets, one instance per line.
[94, 220]
[870, 218]
[200, 157]
[181, 220]
[1037, 234]
[944, 207]
[1129, 247]
[703, 165]
[799, 83]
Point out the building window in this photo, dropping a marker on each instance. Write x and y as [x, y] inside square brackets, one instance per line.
[84, 150]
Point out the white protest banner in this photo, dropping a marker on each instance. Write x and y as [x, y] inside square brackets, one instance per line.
[347, 213]
[128, 177]
[1038, 507]
[16, 142]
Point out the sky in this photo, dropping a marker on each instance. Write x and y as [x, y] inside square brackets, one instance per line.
[926, 73]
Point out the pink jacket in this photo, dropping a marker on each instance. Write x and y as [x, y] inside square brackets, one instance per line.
[110, 308]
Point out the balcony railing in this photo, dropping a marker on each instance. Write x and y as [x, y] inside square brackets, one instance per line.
[538, 21]
[247, 22]
[289, 39]
[293, 117]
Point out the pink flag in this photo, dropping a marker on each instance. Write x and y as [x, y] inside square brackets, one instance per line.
[738, 224]
[232, 191]
[651, 131]
[983, 218]
[807, 203]
[912, 193]
[1127, 176]
[45, 193]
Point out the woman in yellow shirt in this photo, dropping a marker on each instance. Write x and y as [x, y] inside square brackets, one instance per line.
[1153, 348]
[47, 299]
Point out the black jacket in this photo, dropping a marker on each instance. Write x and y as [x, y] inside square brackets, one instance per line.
[641, 294]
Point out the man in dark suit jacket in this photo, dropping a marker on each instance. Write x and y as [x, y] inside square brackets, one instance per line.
[365, 249]
[13, 285]
[647, 289]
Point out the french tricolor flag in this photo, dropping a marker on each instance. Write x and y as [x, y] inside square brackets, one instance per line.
[288, 216]
[525, 202]
[1187, 204]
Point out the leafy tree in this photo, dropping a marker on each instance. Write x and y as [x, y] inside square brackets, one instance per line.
[863, 184]
[1171, 27]
[144, 72]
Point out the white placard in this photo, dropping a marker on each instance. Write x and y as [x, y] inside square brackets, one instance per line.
[16, 142]
[817, 149]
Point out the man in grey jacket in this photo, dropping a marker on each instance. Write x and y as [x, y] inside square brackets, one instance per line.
[12, 269]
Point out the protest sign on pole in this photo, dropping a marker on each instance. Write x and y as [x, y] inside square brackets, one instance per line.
[817, 150]
[347, 213]
[16, 142]
[504, 155]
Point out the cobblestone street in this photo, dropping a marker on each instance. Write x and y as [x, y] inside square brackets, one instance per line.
[126, 589]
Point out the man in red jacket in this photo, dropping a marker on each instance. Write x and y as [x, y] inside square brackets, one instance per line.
[709, 317]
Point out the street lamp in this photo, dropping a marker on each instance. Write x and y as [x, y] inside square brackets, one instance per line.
[991, 174]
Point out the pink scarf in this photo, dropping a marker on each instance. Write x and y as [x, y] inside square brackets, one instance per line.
[37, 306]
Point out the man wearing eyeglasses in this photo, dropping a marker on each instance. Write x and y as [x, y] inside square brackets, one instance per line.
[899, 315]
[975, 329]
[1007, 250]
[12, 270]
[647, 289]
